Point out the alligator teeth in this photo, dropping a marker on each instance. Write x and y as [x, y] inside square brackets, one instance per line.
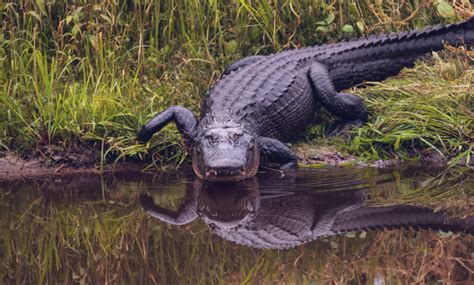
[211, 172]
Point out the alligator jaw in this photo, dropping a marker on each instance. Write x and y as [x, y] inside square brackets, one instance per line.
[225, 174]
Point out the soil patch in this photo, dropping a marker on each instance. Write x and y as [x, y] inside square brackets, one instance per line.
[13, 167]
[310, 155]
[54, 162]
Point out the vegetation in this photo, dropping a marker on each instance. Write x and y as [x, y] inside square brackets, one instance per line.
[88, 74]
[425, 110]
[79, 74]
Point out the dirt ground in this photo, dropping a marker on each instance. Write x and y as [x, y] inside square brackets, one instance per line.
[52, 162]
[13, 167]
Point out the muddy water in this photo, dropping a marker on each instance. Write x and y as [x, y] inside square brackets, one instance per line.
[312, 226]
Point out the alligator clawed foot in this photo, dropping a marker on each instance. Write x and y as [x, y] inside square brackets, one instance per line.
[146, 200]
[143, 136]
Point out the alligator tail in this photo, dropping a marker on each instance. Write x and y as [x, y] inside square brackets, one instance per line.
[400, 217]
[378, 57]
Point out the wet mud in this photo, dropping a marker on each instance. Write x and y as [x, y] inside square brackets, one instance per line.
[53, 162]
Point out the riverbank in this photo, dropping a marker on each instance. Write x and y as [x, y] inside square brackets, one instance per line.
[78, 83]
[13, 167]
[422, 117]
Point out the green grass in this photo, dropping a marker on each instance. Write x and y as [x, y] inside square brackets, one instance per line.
[426, 108]
[89, 75]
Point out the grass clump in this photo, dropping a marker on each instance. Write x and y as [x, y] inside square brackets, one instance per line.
[89, 74]
[424, 112]
[424, 109]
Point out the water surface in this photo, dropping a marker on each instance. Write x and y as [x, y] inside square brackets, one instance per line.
[279, 228]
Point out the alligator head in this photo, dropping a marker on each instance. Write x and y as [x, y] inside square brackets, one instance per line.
[220, 205]
[228, 205]
[225, 152]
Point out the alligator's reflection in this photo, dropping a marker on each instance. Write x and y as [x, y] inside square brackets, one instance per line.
[272, 214]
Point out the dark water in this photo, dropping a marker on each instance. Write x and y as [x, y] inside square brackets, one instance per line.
[310, 226]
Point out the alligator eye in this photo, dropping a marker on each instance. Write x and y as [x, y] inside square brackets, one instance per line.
[234, 136]
[212, 138]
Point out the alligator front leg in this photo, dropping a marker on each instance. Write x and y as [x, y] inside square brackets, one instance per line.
[350, 108]
[186, 213]
[275, 152]
[184, 119]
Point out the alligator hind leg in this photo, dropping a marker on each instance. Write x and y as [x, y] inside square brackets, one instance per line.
[275, 152]
[350, 108]
[184, 119]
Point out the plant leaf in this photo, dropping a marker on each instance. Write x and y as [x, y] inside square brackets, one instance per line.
[445, 9]
[35, 15]
[348, 29]
[330, 18]
[42, 6]
[322, 29]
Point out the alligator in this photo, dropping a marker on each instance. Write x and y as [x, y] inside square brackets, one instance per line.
[261, 102]
[272, 214]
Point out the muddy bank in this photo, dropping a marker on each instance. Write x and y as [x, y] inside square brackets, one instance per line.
[13, 167]
[312, 155]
